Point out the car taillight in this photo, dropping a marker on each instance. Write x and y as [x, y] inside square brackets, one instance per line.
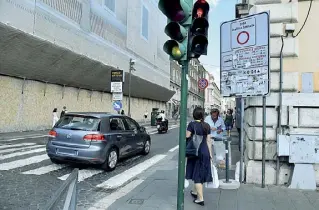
[53, 134]
[94, 137]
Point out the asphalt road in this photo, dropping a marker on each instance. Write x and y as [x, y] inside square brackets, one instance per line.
[28, 179]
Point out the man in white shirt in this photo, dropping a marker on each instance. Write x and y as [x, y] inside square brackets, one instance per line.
[216, 123]
[162, 115]
[217, 127]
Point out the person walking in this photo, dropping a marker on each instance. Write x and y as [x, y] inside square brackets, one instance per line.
[229, 120]
[55, 117]
[217, 127]
[145, 116]
[198, 167]
[63, 112]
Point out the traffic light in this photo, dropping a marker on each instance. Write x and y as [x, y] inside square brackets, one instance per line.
[178, 13]
[199, 29]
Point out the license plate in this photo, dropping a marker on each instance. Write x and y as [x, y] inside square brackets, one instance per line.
[66, 151]
[158, 126]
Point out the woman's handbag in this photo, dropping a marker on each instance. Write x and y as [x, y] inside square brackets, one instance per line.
[193, 144]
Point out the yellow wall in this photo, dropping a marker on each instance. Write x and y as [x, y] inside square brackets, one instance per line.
[32, 110]
[308, 60]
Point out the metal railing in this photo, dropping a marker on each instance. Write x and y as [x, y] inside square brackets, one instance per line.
[71, 196]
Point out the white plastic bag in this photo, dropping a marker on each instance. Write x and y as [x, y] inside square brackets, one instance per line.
[215, 183]
[186, 183]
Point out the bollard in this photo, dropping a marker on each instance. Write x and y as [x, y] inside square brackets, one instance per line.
[226, 141]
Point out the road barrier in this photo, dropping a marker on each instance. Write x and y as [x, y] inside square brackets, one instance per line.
[71, 196]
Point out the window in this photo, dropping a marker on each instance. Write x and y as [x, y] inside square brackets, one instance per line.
[84, 123]
[131, 124]
[145, 22]
[110, 4]
[116, 124]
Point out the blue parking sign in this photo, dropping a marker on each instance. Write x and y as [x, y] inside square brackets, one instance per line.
[117, 105]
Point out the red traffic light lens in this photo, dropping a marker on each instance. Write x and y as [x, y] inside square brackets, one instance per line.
[200, 12]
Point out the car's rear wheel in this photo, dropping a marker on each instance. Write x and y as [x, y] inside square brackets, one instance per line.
[56, 161]
[147, 147]
[111, 160]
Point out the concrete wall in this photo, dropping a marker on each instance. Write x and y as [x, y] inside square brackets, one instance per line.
[300, 111]
[32, 109]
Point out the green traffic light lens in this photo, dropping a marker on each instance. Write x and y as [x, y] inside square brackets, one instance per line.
[176, 52]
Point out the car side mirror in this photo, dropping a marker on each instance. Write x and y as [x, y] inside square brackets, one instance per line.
[142, 129]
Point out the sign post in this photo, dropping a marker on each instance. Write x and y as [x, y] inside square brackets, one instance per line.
[244, 64]
[117, 89]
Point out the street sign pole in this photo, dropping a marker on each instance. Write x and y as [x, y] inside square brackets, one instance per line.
[245, 68]
[182, 136]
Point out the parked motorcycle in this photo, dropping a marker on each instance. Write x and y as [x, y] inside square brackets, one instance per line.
[162, 126]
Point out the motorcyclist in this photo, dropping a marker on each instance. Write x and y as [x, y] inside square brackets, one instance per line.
[162, 116]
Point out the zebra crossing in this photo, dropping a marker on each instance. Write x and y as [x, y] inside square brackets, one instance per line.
[30, 159]
[12, 157]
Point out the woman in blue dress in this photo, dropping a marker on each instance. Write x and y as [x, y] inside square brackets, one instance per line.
[198, 169]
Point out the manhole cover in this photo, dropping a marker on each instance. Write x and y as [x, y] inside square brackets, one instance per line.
[136, 201]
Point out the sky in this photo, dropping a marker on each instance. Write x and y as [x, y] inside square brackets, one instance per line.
[220, 11]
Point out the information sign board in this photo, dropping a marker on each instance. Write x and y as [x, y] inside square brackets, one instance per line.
[244, 56]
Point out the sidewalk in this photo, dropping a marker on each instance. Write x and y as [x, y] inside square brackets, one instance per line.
[159, 191]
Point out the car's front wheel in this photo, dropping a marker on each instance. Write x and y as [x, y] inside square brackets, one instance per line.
[147, 147]
[111, 160]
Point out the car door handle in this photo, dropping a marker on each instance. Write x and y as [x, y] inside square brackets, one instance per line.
[119, 137]
[133, 134]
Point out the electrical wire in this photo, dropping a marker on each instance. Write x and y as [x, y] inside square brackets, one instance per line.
[309, 9]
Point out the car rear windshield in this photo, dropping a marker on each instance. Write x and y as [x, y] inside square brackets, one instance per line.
[83, 123]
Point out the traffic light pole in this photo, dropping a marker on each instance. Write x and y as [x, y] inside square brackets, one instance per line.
[182, 136]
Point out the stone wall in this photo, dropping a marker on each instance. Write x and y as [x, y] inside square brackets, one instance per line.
[300, 111]
[28, 105]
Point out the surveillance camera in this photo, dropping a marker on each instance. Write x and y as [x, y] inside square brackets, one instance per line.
[290, 28]
[133, 61]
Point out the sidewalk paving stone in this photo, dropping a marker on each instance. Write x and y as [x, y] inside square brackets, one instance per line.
[159, 191]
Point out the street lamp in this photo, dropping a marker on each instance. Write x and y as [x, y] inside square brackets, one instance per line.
[131, 68]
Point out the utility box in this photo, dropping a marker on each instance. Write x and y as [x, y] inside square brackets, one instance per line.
[154, 114]
[303, 152]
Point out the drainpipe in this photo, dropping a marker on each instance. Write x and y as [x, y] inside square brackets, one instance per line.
[279, 128]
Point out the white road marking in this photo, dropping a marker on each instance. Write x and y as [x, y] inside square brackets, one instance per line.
[25, 137]
[172, 127]
[15, 145]
[174, 148]
[45, 169]
[23, 162]
[20, 148]
[110, 199]
[16, 154]
[83, 174]
[120, 179]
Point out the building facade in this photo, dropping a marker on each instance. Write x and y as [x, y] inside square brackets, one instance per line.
[228, 103]
[196, 96]
[212, 94]
[300, 97]
[61, 53]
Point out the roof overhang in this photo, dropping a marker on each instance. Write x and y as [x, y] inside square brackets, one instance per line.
[27, 56]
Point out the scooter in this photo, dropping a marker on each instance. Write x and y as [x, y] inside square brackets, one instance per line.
[161, 125]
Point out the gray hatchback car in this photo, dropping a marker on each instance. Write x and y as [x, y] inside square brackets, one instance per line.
[96, 138]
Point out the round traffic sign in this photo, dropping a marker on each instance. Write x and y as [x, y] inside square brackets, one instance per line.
[243, 37]
[202, 83]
